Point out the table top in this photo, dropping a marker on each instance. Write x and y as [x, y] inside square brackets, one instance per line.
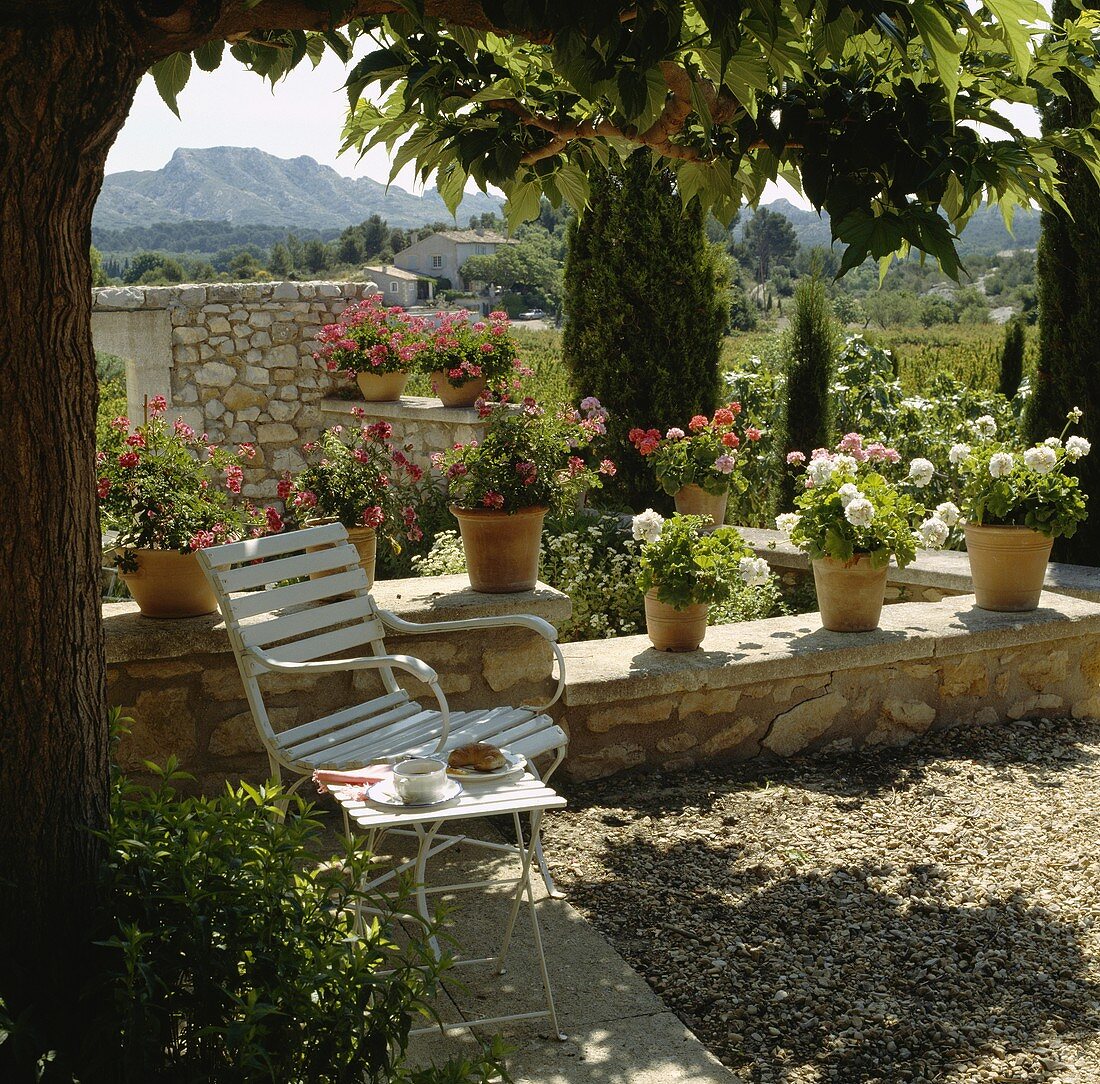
[525, 795]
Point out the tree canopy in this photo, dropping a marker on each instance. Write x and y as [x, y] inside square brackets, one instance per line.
[885, 113]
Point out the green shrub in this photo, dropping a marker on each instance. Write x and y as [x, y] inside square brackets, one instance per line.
[236, 958]
[1012, 358]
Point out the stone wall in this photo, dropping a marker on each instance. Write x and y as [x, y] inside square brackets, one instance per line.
[785, 686]
[235, 360]
[179, 680]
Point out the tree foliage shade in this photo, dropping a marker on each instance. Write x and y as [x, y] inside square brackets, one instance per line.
[869, 107]
[646, 308]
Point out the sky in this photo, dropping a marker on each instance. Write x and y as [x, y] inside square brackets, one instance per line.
[304, 114]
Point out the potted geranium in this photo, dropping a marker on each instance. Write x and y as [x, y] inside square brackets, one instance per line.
[466, 361]
[685, 565]
[1015, 504]
[375, 344]
[356, 477]
[699, 466]
[502, 486]
[851, 520]
[167, 493]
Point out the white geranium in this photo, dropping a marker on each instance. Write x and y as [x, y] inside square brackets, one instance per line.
[985, 427]
[787, 521]
[846, 462]
[1053, 442]
[1000, 464]
[933, 532]
[820, 470]
[1040, 459]
[860, 512]
[755, 571]
[848, 493]
[949, 513]
[957, 453]
[920, 472]
[1077, 448]
[1075, 415]
[647, 525]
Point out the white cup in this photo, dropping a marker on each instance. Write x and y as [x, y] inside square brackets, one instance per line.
[420, 780]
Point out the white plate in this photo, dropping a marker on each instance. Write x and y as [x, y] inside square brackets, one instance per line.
[515, 764]
[384, 794]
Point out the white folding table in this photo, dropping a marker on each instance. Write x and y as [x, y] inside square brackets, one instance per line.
[526, 795]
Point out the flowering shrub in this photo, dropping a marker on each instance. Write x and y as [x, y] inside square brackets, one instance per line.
[360, 479]
[850, 509]
[445, 558]
[162, 487]
[706, 455]
[1002, 486]
[462, 351]
[685, 564]
[761, 390]
[528, 457]
[370, 338]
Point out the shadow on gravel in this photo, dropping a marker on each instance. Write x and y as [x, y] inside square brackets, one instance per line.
[1043, 750]
[829, 970]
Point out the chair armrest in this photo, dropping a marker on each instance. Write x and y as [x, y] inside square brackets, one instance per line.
[417, 667]
[523, 621]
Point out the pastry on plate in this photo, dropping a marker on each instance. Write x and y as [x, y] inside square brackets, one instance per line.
[478, 756]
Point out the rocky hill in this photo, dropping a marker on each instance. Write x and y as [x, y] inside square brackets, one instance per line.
[245, 185]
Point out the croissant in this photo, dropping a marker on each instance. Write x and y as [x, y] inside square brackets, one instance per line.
[479, 756]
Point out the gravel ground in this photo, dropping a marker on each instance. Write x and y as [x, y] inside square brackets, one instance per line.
[924, 914]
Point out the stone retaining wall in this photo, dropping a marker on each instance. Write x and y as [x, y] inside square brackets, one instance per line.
[786, 686]
[235, 360]
[179, 680]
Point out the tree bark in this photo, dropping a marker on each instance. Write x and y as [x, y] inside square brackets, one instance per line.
[66, 89]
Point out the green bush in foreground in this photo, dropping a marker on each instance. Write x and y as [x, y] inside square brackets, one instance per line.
[232, 955]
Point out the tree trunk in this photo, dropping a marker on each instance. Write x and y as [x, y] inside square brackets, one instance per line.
[65, 92]
[1068, 280]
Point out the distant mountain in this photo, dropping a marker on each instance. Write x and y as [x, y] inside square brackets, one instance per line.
[985, 233]
[245, 185]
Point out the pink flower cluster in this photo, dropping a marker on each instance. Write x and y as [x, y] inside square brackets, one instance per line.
[852, 444]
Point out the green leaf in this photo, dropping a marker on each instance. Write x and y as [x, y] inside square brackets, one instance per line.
[572, 182]
[208, 56]
[451, 182]
[170, 76]
[943, 47]
[524, 202]
[1016, 17]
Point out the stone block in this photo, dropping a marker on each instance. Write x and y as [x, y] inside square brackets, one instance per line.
[282, 411]
[261, 319]
[285, 291]
[224, 291]
[513, 666]
[1034, 705]
[218, 325]
[733, 738]
[803, 724]
[223, 683]
[281, 357]
[283, 333]
[191, 295]
[120, 297]
[276, 433]
[186, 355]
[677, 743]
[709, 702]
[259, 340]
[914, 715]
[607, 761]
[240, 396]
[238, 734]
[284, 376]
[967, 677]
[631, 713]
[189, 336]
[1043, 667]
[213, 409]
[216, 374]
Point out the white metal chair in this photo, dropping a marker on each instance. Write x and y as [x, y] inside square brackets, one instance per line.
[298, 628]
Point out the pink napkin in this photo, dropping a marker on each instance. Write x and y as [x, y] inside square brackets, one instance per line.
[356, 777]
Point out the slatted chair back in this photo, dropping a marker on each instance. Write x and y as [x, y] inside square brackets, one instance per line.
[327, 613]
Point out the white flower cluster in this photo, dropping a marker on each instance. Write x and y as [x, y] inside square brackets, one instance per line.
[933, 532]
[859, 512]
[787, 521]
[820, 471]
[1041, 459]
[921, 472]
[985, 428]
[646, 526]
[957, 453]
[755, 571]
[1001, 464]
[1077, 448]
[949, 513]
[445, 558]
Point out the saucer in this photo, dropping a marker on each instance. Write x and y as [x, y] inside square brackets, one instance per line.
[383, 794]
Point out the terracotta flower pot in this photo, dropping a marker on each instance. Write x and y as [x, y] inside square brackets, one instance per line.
[168, 583]
[696, 501]
[464, 396]
[849, 595]
[1007, 566]
[670, 629]
[381, 388]
[364, 539]
[502, 548]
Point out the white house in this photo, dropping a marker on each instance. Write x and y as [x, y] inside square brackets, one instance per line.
[400, 287]
[441, 255]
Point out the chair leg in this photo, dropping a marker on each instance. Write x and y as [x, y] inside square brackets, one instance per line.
[552, 889]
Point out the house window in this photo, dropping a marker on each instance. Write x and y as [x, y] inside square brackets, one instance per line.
[393, 287]
[437, 261]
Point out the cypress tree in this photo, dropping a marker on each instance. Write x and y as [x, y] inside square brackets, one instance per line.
[810, 348]
[1012, 358]
[1068, 277]
[646, 307]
